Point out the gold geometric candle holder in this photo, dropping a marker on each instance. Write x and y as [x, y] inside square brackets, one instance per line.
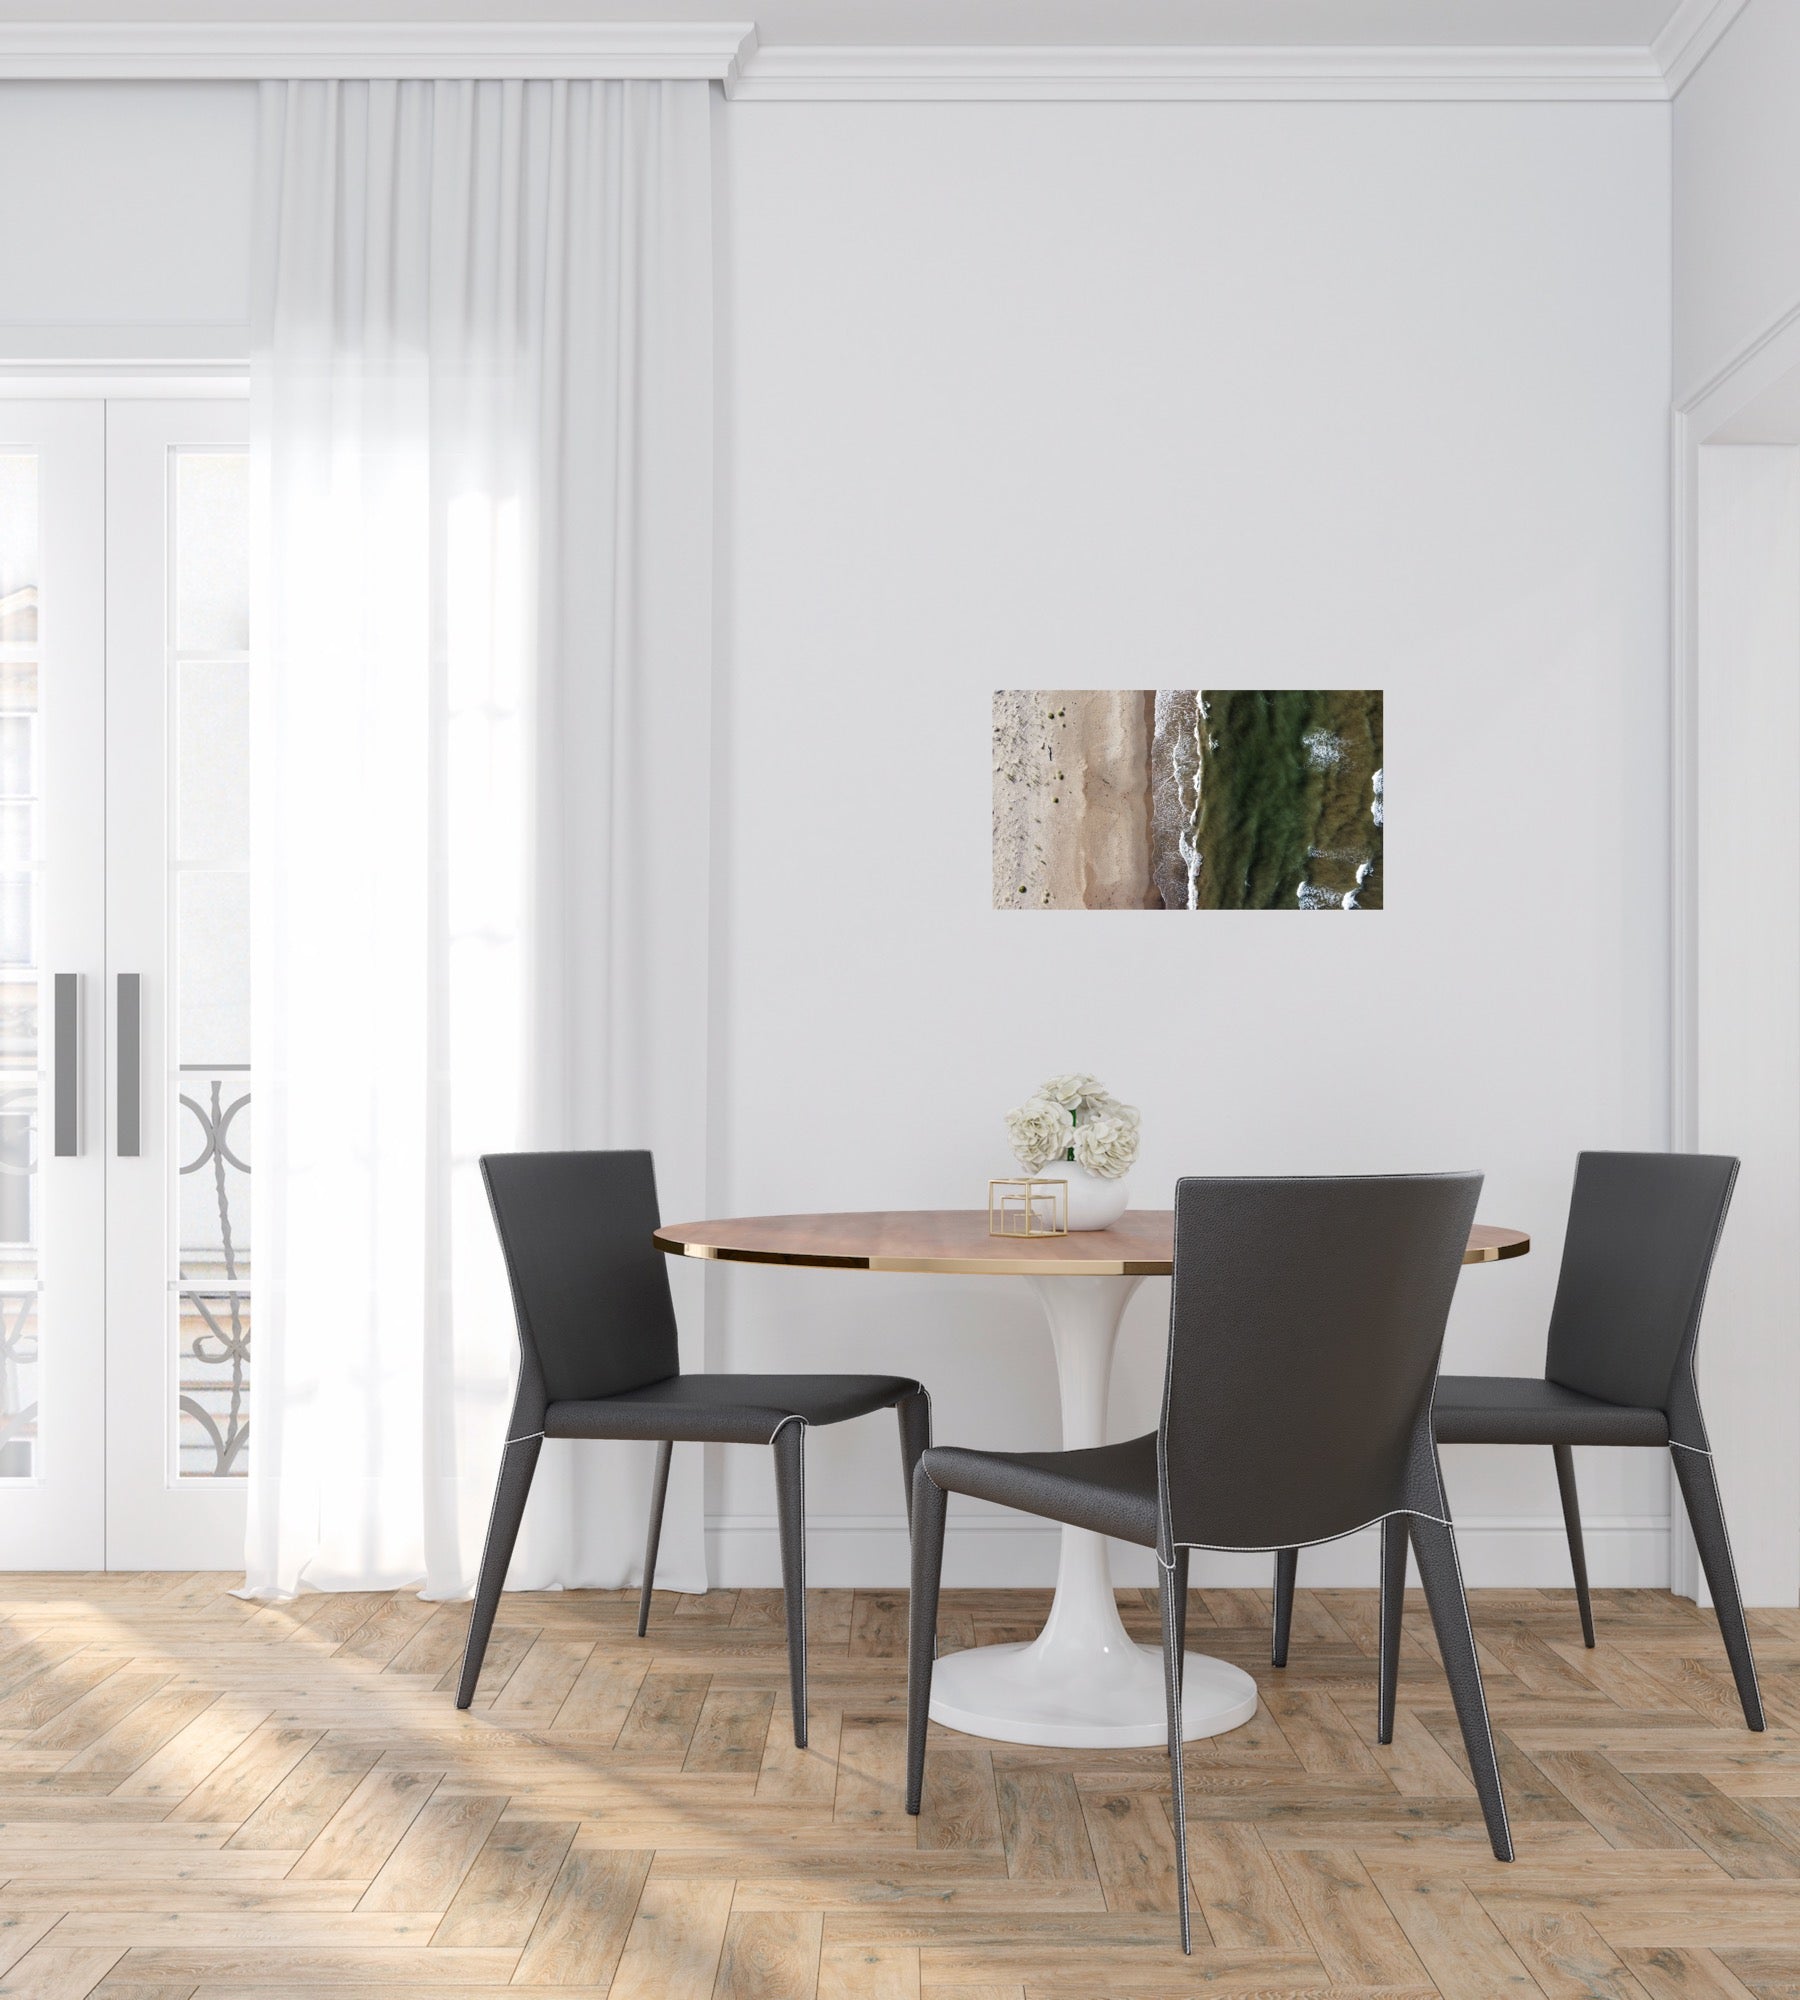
[1027, 1206]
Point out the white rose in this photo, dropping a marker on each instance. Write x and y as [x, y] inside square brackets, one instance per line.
[1069, 1091]
[1105, 1106]
[1106, 1147]
[1038, 1131]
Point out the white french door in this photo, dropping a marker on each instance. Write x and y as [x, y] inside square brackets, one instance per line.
[124, 983]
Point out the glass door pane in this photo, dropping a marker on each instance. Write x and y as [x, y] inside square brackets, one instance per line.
[178, 900]
[52, 755]
[20, 892]
[209, 691]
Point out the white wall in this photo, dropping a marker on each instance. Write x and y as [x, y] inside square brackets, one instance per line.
[1737, 192]
[125, 220]
[1088, 395]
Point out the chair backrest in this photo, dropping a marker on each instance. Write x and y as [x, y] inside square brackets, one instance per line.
[590, 1290]
[1642, 1231]
[1304, 1329]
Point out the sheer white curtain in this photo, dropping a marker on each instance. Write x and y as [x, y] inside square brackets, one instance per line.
[482, 420]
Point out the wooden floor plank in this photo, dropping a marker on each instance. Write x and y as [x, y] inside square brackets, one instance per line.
[869, 1972]
[1743, 1842]
[871, 1779]
[1043, 1826]
[1133, 1847]
[504, 1892]
[581, 1929]
[1567, 1957]
[1456, 1940]
[60, 1972]
[204, 1799]
[960, 1812]
[1239, 1889]
[770, 1955]
[358, 1838]
[301, 1805]
[426, 1868]
[1351, 1928]
[676, 1938]
[1608, 1800]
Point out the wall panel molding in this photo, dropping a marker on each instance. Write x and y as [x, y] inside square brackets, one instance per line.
[991, 1550]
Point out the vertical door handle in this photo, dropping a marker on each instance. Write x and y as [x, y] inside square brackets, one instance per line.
[66, 1051]
[128, 1066]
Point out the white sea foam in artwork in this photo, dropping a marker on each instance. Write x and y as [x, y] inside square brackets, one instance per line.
[1375, 809]
[1175, 796]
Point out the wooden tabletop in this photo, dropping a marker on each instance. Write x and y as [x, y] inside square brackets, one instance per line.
[1141, 1244]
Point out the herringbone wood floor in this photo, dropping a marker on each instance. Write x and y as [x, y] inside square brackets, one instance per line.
[202, 1797]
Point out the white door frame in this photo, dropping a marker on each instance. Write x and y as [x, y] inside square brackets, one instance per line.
[106, 1491]
[1735, 934]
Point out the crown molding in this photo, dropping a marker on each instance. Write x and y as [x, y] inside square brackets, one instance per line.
[1198, 75]
[1690, 35]
[211, 51]
[727, 52]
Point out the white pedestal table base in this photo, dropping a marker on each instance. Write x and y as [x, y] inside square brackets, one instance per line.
[1083, 1682]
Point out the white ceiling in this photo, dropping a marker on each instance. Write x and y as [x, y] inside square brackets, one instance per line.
[1540, 24]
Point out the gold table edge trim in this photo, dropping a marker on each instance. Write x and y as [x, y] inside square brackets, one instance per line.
[994, 1267]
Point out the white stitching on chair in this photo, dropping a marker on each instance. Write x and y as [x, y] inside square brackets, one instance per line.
[526, 1439]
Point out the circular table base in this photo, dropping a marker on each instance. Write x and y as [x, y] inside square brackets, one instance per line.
[1015, 1695]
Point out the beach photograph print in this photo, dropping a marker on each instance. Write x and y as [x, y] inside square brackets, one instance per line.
[1187, 799]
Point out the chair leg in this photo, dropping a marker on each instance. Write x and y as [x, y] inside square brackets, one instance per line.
[1177, 1580]
[1571, 1506]
[1287, 1568]
[929, 1506]
[513, 1488]
[1700, 1489]
[1172, 1586]
[659, 1492]
[914, 1412]
[1393, 1603]
[1180, 1585]
[790, 1506]
[1435, 1545]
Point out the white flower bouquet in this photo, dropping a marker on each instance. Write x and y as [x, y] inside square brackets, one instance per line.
[1075, 1118]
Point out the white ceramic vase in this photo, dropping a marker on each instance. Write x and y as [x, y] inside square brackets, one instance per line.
[1093, 1203]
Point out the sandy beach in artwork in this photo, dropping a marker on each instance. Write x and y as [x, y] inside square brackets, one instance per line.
[1187, 799]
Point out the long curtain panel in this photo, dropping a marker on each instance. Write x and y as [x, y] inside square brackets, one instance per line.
[481, 387]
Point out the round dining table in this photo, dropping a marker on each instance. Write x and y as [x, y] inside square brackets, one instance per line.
[1083, 1682]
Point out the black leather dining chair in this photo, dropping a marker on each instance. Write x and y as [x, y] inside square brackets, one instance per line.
[598, 1359]
[1619, 1370]
[1305, 1322]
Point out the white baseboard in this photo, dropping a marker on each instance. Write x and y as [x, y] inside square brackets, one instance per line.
[991, 1551]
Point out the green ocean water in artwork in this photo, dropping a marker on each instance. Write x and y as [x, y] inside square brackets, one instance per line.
[1290, 807]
